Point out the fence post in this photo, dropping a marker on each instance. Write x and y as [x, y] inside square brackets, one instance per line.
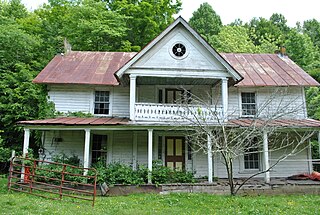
[62, 180]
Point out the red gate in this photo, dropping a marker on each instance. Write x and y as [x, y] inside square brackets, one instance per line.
[52, 180]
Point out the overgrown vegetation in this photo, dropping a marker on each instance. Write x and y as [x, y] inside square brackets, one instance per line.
[118, 173]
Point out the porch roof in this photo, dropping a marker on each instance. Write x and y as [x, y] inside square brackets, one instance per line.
[99, 121]
[77, 121]
[282, 123]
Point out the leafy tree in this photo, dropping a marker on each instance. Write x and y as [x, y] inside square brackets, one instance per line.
[91, 27]
[300, 49]
[206, 21]
[261, 29]
[146, 18]
[233, 39]
[312, 29]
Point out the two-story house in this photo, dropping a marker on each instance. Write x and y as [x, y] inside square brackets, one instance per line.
[135, 97]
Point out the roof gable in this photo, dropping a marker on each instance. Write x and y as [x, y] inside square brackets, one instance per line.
[214, 61]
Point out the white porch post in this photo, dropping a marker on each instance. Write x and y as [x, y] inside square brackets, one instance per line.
[209, 159]
[266, 156]
[26, 141]
[319, 142]
[132, 95]
[86, 150]
[150, 137]
[25, 150]
[224, 96]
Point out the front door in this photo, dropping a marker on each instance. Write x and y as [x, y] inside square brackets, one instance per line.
[175, 153]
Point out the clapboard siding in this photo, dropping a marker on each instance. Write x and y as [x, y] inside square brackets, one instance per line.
[122, 147]
[69, 98]
[72, 144]
[270, 101]
[120, 101]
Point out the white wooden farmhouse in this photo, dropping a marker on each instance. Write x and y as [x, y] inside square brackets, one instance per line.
[134, 99]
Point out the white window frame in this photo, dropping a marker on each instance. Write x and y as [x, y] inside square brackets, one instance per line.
[240, 102]
[110, 101]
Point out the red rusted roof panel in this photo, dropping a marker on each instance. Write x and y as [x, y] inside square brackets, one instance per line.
[77, 121]
[302, 123]
[268, 70]
[77, 67]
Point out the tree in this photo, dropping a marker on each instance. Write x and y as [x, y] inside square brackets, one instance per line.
[206, 21]
[300, 49]
[90, 27]
[146, 18]
[233, 39]
[213, 134]
[312, 29]
[261, 29]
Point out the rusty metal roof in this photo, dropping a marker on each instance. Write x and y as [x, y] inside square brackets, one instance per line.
[83, 67]
[76, 121]
[268, 70]
[99, 68]
[284, 123]
[241, 122]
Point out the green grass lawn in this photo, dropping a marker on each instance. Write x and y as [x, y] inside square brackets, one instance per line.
[19, 203]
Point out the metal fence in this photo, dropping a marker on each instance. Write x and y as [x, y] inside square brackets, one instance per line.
[52, 180]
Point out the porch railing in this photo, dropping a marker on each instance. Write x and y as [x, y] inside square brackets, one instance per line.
[174, 112]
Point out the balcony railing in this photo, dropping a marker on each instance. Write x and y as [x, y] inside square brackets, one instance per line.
[173, 112]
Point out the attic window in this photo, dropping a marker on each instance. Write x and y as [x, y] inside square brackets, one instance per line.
[179, 50]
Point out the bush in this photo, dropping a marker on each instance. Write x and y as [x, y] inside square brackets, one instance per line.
[118, 173]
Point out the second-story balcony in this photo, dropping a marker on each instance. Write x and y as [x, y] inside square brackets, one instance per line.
[154, 112]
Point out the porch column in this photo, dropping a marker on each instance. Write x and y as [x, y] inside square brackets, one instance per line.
[266, 156]
[86, 150]
[150, 137]
[209, 159]
[224, 96]
[319, 142]
[132, 95]
[26, 141]
[25, 150]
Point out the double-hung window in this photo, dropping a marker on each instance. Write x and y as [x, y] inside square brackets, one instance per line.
[248, 104]
[102, 102]
[251, 159]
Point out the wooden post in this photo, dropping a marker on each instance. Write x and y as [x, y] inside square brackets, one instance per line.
[26, 141]
[132, 96]
[150, 137]
[266, 156]
[209, 159]
[25, 150]
[224, 96]
[86, 150]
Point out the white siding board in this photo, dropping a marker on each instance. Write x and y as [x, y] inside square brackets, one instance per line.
[122, 147]
[72, 144]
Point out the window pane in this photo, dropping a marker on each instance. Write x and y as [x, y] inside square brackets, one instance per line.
[248, 103]
[101, 105]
